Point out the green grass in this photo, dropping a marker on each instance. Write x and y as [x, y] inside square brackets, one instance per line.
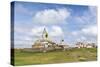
[72, 55]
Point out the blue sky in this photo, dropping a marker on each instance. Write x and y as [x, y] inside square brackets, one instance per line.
[72, 23]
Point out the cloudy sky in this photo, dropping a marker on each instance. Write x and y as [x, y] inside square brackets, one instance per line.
[69, 22]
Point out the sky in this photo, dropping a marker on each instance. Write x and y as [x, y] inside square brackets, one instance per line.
[73, 23]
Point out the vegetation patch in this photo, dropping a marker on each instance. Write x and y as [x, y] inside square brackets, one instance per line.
[57, 56]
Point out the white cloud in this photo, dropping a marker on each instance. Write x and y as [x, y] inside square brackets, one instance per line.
[91, 30]
[22, 30]
[52, 31]
[88, 33]
[19, 30]
[88, 30]
[51, 16]
[37, 31]
[81, 38]
[56, 31]
[75, 33]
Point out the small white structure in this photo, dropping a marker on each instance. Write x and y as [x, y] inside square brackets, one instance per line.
[63, 45]
[89, 46]
[85, 45]
[80, 45]
[45, 44]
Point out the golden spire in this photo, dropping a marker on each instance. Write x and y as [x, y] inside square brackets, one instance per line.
[45, 34]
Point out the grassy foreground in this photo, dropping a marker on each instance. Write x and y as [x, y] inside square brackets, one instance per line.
[72, 55]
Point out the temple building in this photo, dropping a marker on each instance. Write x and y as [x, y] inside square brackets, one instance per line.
[85, 45]
[45, 44]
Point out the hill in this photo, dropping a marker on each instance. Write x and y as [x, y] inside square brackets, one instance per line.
[57, 56]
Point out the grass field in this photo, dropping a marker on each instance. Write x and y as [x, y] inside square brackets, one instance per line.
[72, 55]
